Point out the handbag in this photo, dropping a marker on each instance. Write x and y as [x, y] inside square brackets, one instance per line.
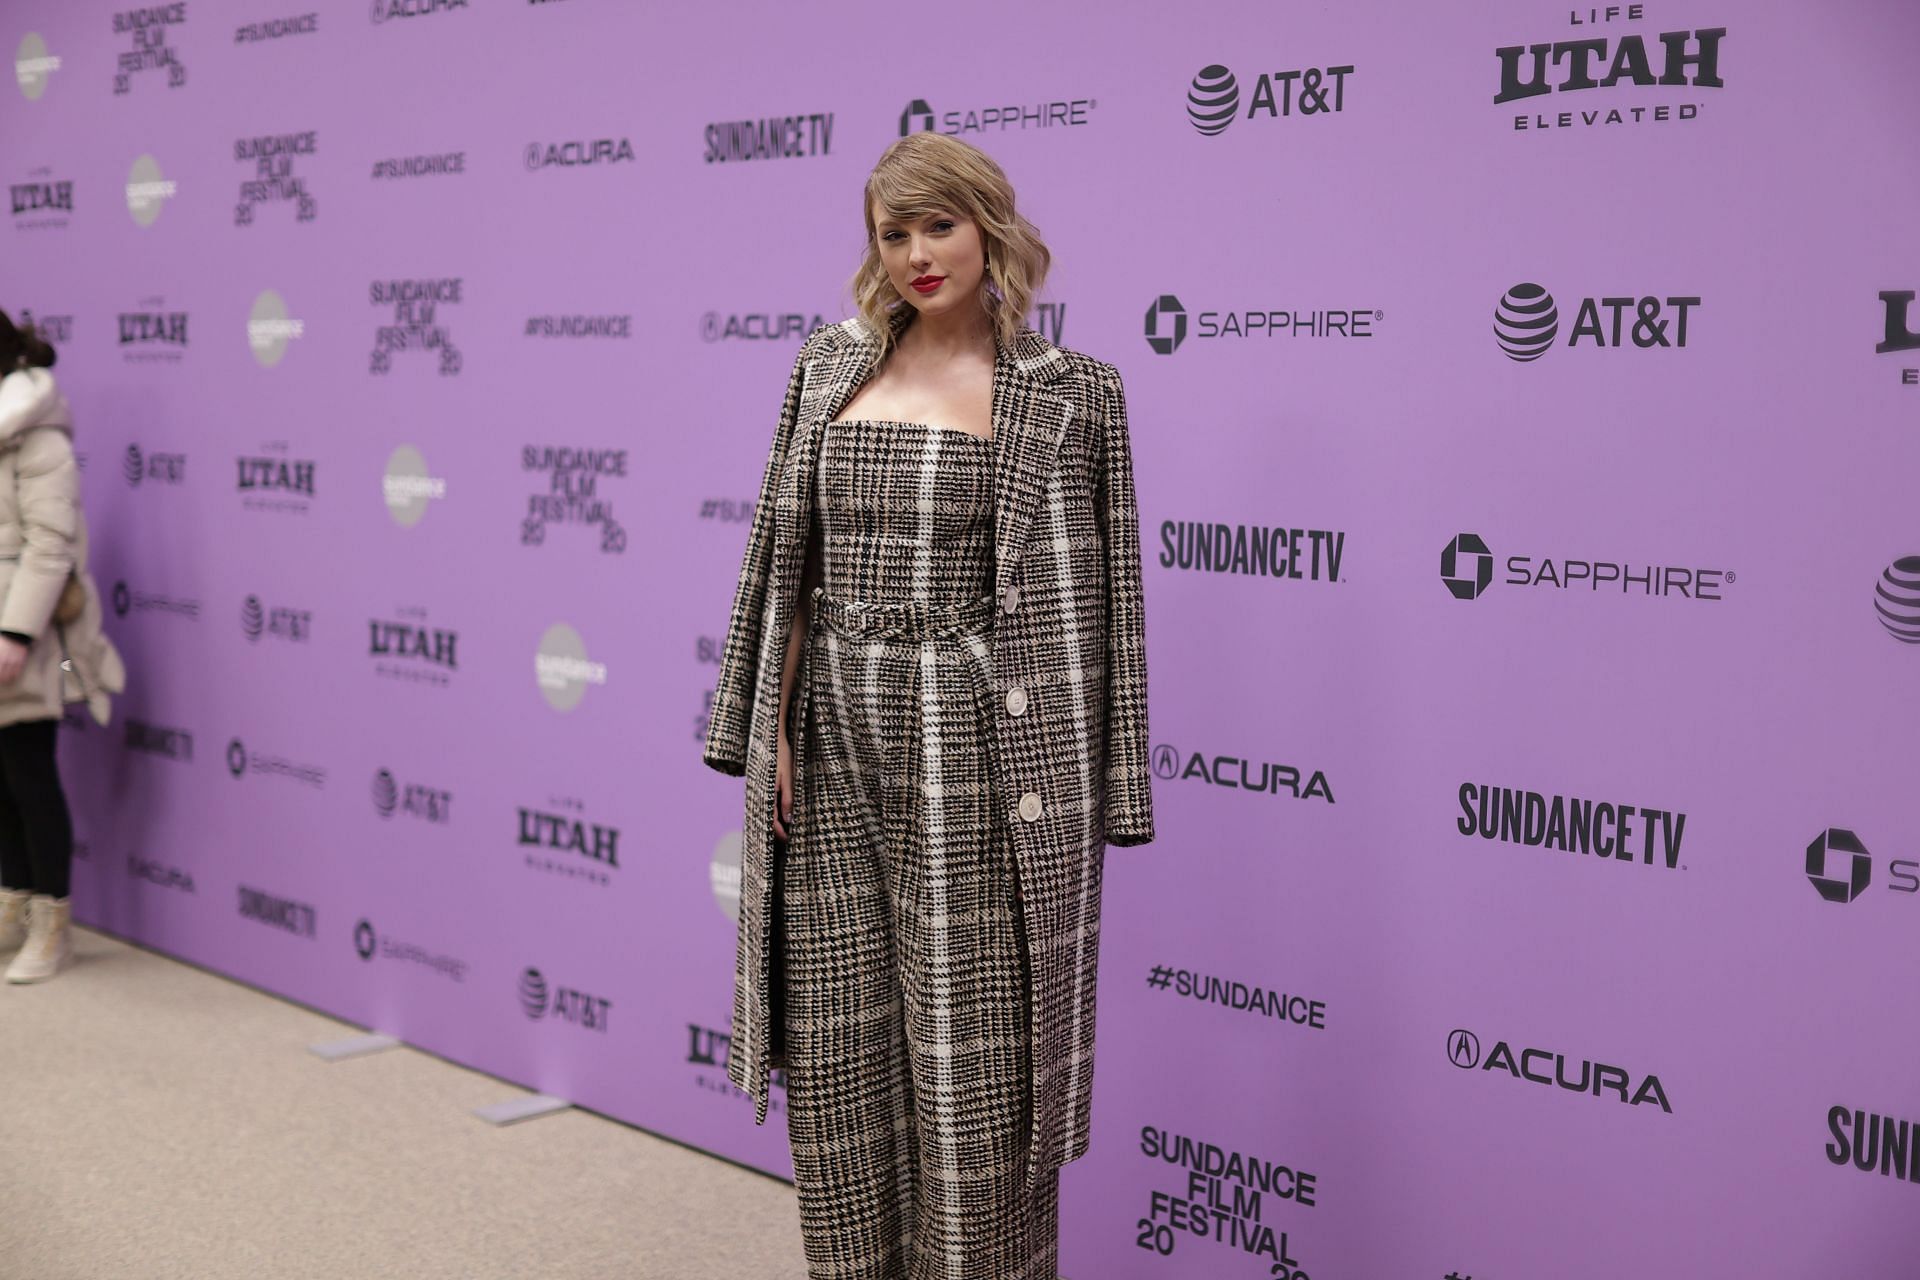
[73, 599]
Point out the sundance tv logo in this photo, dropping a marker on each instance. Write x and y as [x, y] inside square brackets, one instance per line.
[1546, 1067]
[1166, 323]
[771, 138]
[1213, 97]
[1526, 322]
[1613, 66]
[1467, 568]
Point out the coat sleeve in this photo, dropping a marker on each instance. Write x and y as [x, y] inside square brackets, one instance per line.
[731, 719]
[1129, 791]
[49, 498]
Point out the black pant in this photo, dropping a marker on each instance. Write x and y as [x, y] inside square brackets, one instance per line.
[36, 833]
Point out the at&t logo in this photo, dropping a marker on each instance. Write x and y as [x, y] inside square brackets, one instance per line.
[1897, 599]
[562, 1004]
[1213, 98]
[1526, 321]
[533, 994]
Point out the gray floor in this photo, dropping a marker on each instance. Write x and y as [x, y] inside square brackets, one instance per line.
[159, 1121]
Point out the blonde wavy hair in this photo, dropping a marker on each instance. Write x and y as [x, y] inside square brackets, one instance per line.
[924, 172]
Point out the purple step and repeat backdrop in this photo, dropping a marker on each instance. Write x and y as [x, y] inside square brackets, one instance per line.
[1527, 410]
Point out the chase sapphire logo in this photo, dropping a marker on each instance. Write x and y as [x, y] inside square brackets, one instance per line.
[122, 599]
[533, 994]
[1166, 324]
[917, 118]
[1466, 566]
[237, 758]
[1526, 322]
[363, 939]
[1838, 865]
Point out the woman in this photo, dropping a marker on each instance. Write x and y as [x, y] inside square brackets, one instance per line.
[934, 681]
[43, 549]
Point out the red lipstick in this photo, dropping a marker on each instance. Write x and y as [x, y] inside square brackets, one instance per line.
[927, 284]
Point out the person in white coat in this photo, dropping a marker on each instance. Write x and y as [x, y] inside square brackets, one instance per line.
[52, 651]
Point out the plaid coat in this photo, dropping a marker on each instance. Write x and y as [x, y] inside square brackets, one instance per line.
[1069, 668]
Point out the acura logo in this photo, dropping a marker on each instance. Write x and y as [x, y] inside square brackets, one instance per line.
[1463, 1049]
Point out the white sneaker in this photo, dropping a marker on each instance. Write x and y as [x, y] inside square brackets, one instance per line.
[49, 941]
[13, 918]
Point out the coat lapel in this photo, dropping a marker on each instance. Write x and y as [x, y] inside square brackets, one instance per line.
[1029, 419]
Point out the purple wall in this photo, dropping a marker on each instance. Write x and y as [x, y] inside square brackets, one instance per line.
[284, 492]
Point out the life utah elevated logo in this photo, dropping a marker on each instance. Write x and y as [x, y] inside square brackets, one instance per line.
[1623, 74]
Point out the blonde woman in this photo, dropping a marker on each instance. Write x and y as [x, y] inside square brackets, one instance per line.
[935, 683]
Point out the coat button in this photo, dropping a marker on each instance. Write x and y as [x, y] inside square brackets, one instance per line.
[1010, 598]
[1030, 807]
[1016, 701]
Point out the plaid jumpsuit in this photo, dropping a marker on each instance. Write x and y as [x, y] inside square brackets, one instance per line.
[909, 1080]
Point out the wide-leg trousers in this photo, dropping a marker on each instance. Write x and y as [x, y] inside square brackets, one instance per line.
[909, 1080]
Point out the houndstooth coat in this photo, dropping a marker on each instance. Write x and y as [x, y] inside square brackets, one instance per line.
[1069, 670]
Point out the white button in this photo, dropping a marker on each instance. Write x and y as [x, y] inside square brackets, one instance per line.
[1010, 598]
[1016, 701]
[1030, 806]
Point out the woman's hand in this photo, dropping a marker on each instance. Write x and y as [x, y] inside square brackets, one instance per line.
[783, 806]
[13, 659]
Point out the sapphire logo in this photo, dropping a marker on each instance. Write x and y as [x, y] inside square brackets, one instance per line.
[1525, 322]
[533, 993]
[1213, 96]
[237, 758]
[1166, 324]
[1059, 113]
[1897, 599]
[1466, 566]
[1838, 865]
[363, 939]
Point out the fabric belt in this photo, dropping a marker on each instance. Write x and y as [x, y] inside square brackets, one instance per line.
[909, 620]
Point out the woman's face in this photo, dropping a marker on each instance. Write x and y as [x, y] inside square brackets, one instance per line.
[936, 262]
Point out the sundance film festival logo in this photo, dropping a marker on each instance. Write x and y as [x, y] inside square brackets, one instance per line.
[1546, 1067]
[147, 26]
[242, 762]
[1900, 336]
[1056, 113]
[1601, 829]
[275, 481]
[1260, 551]
[152, 335]
[416, 320]
[560, 841]
[1611, 66]
[55, 327]
[1526, 322]
[1840, 867]
[408, 488]
[758, 326]
[1234, 773]
[258, 622]
[1228, 1195]
[285, 914]
[540, 999]
[411, 800]
[578, 154]
[1467, 571]
[384, 10]
[562, 669]
[304, 24]
[274, 181]
[33, 66]
[1896, 599]
[1213, 97]
[573, 494]
[160, 740]
[148, 191]
[1166, 324]
[270, 329]
[771, 138]
[369, 943]
[411, 651]
[126, 601]
[138, 468]
[44, 203]
[1874, 1143]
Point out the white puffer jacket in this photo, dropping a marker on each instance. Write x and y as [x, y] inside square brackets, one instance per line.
[43, 535]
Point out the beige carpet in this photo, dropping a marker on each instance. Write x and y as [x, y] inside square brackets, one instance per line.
[157, 1121]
